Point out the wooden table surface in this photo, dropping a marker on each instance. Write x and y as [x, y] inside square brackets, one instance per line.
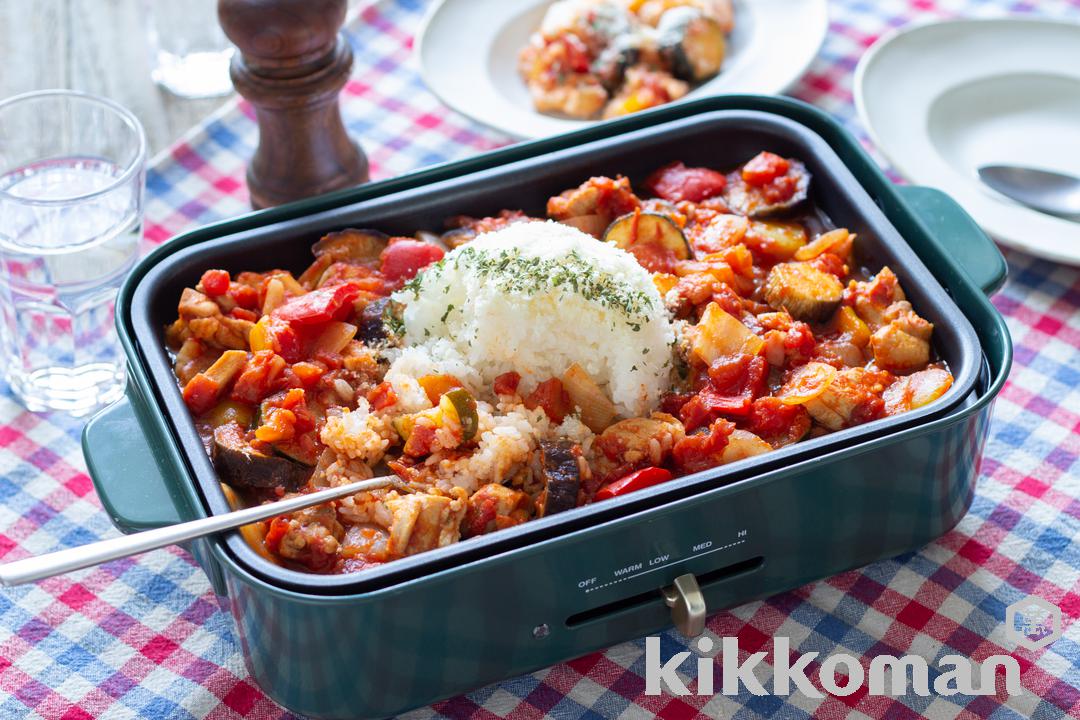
[96, 46]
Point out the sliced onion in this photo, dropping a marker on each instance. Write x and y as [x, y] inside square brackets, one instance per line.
[334, 338]
[807, 383]
[720, 334]
[597, 411]
[275, 296]
[594, 225]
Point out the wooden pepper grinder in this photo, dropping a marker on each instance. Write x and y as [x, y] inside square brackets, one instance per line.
[293, 62]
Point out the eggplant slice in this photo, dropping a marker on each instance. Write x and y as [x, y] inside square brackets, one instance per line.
[371, 323]
[747, 200]
[242, 466]
[352, 245]
[807, 293]
[561, 476]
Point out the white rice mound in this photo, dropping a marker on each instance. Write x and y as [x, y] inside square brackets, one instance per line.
[535, 298]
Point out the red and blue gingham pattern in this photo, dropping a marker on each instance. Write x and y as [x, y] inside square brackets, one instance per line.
[146, 638]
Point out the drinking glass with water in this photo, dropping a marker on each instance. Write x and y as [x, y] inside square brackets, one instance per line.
[71, 196]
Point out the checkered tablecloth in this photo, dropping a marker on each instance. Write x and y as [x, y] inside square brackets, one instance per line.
[146, 638]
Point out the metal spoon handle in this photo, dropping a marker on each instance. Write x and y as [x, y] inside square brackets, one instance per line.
[63, 561]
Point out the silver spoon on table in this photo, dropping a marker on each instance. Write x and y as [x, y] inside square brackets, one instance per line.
[64, 561]
[1048, 192]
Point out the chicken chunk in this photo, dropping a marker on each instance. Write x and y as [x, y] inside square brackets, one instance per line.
[599, 196]
[872, 298]
[425, 521]
[899, 348]
[636, 442]
[742, 444]
[852, 398]
[312, 538]
[494, 507]
[204, 321]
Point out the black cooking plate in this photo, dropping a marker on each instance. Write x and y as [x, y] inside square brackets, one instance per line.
[719, 139]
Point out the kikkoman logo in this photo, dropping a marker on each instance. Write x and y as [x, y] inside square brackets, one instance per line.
[1033, 623]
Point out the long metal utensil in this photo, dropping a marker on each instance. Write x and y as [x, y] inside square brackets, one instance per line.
[37, 568]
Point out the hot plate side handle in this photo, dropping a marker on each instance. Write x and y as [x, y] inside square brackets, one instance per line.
[959, 235]
[138, 493]
[122, 461]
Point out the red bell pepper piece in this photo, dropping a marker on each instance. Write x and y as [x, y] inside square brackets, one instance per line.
[318, 306]
[646, 477]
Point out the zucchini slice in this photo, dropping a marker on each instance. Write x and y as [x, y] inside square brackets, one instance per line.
[692, 43]
[804, 291]
[463, 405]
[644, 228]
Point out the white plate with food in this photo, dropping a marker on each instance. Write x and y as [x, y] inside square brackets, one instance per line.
[942, 99]
[635, 54]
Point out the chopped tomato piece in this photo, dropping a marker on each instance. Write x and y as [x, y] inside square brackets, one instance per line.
[776, 422]
[293, 400]
[421, 440]
[403, 258]
[215, 282]
[308, 373]
[381, 396]
[733, 385]
[259, 377]
[507, 383]
[763, 168]
[241, 313]
[646, 477]
[201, 393]
[704, 450]
[781, 189]
[245, 296]
[550, 396]
[676, 182]
[829, 263]
[276, 529]
[654, 257]
[673, 403]
[278, 424]
[319, 306]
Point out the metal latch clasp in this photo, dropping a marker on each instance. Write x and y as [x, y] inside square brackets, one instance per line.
[687, 605]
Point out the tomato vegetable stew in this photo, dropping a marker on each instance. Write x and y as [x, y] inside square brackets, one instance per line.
[610, 58]
[515, 367]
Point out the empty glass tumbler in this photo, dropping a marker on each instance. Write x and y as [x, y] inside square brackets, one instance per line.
[188, 49]
[71, 195]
